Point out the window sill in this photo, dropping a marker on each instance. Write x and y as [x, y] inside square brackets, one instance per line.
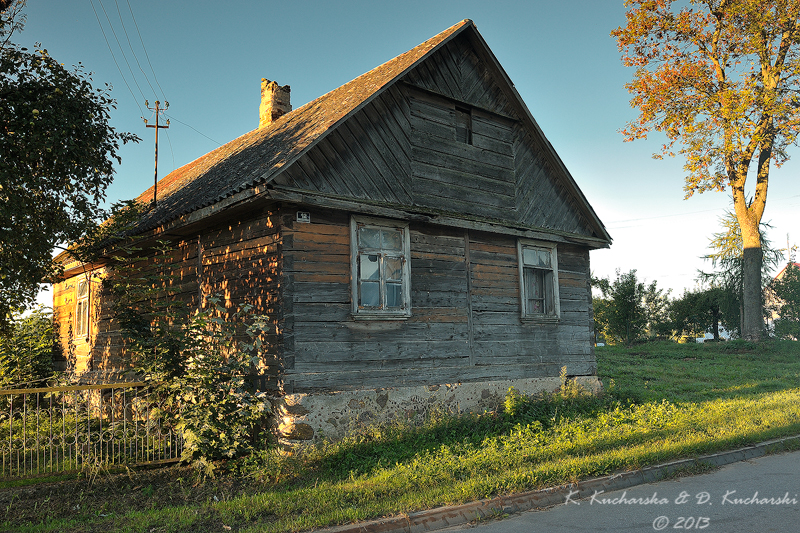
[380, 316]
[544, 319]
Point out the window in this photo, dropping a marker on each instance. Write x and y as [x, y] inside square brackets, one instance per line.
[538, 280]
[380, 268]
[82, 310]
[463, 125]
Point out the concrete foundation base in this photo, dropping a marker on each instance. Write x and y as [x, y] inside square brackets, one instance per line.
[334, 415]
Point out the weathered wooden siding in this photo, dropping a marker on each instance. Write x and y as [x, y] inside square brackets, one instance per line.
[450, 175]
[465, 319]
[401, 150]
[518, 348]
[542, 200]
[456, 71]
[75, 350]
[367, 157]
[237, 260]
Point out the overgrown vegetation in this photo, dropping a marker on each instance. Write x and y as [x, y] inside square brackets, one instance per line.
[199, 361]
[784, 301]
[662, 401]
[26, 349]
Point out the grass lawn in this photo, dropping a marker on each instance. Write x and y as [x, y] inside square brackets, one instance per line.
[662, 401]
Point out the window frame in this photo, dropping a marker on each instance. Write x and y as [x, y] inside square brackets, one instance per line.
[404, 311]
[551, 247]
[82, 309]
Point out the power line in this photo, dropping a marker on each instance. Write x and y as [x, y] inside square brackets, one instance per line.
[198, 131]
[114, 33]
[115, 59]
[145, 51]
[122, 22]
[169, 141]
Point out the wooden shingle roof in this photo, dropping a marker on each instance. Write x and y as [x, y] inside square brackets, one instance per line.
[259, 155]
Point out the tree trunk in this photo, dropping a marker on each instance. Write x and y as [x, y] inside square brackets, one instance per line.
[752, 315]
[749, 218]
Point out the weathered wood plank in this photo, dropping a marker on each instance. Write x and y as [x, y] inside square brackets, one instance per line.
[461, 157]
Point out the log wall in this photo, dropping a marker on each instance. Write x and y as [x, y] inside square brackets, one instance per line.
[465, 320]
[236, 260]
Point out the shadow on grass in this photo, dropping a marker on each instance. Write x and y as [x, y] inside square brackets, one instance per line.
[386, 446]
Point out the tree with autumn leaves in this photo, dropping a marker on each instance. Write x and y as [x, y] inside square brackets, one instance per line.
[721, 79]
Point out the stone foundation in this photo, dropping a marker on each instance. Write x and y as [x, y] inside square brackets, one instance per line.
[333, 415]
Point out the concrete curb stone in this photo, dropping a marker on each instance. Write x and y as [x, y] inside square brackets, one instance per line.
[455, 515]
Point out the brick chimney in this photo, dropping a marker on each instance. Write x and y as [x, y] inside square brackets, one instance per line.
[275, 102]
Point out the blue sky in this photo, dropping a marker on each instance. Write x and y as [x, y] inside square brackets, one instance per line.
[209, 57]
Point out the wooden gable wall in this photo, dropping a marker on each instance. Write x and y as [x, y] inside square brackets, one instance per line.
[401, 150]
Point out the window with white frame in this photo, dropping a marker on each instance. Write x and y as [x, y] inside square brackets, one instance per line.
[82, 309]
[380, 267]
[538, 271]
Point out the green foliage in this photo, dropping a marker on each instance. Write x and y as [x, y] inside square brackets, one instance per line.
[199, 363]
[785, 301]
[698, 312]
[58, 151]
[26, 350]
[727, 260]
[629, 310]
[206, 388]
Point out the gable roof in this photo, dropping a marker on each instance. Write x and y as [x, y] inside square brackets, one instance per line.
[260, 155]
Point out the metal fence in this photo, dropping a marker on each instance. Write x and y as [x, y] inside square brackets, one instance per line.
[60, 429]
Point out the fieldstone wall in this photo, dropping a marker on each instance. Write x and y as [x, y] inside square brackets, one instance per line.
[334, 415]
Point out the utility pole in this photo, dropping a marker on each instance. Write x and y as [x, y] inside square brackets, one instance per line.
[156, 126]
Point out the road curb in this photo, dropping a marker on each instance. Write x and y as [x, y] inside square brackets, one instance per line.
[454, 515]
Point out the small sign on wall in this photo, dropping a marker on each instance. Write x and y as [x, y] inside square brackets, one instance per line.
[304, 216]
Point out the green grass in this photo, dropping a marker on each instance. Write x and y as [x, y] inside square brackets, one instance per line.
[662, 402]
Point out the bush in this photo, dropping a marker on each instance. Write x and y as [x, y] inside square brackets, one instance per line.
[630, 310]
[210, 398]
[198, 366]
[26, 350]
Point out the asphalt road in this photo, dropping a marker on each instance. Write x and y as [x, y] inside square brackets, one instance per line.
[760, 495]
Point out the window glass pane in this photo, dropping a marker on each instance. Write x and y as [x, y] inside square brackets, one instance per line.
[80, 318]
[392, 240]
[369, 238]
[534, 291]
[394, 295]
[537, 258]
[549, 298]
[393, 267]
[369, 267]
[83, 289]
[370, 294]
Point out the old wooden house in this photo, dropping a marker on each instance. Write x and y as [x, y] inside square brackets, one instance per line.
[412, 235]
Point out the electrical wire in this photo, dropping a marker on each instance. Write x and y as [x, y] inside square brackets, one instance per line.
[114, 33]
[198, 131]
[169, 141]
[145, 51]
[115, 59]
[122, 22]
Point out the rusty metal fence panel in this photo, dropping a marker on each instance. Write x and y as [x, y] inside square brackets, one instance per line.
[60, 429]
